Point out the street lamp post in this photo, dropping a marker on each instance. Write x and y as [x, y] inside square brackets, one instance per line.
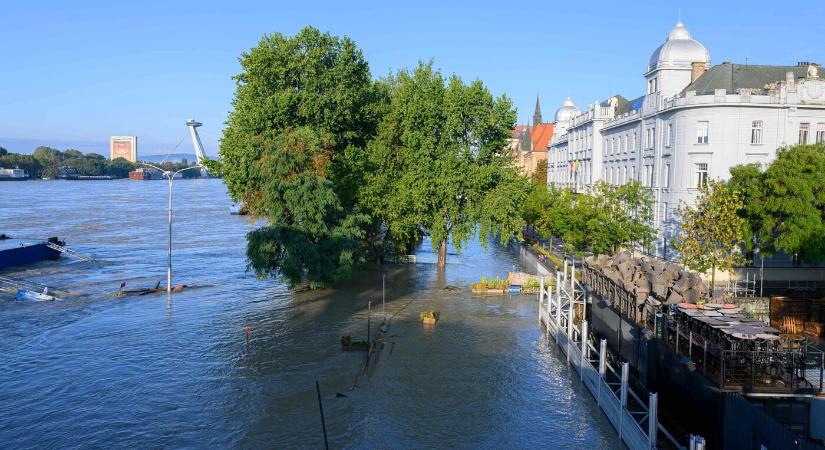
[170, 176]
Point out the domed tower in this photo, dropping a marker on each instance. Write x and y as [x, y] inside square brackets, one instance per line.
[564, 115]
[672, 65]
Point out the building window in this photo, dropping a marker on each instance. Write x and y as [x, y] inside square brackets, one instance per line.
[666, 213]
[634, 141]
[702, 132]
[624, 143]
[633, 172]
[624, 175]
[803, 132]
[820, 133]
[666, 181]
[651, 136]
[756, 132]
[652, 86]
[669, 137]
[649, 176]
[701, 174]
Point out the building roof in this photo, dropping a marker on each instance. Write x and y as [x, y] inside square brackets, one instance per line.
[679, 50]
[518, 129]
[567, 111]
[732, 77]
[624, 105]
[541, 135]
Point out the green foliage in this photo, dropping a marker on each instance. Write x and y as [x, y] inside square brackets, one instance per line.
[3, 151]
[300, 102]
[785, 206]
[746, 179]
[45, 162]
[532, 284]
[491, 283]
[25, 162]
[311, 80]
[711, 232]
[437, 166]
[539, 177]
[548, 255]
[605, 220]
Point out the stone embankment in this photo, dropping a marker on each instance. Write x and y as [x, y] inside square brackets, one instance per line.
[666, 282]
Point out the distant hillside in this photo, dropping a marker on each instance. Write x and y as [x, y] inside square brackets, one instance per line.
[172, 157]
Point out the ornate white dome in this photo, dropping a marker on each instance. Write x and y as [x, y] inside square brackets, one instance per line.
[679, 50]
[567, 111]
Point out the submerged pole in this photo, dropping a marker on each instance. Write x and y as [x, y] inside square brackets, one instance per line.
[169, 250]
[369, 311]
[541, 296]
[321, 407]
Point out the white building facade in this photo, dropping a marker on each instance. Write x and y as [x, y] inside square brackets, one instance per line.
[694, 122]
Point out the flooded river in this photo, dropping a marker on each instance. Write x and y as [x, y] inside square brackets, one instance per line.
[97, 371]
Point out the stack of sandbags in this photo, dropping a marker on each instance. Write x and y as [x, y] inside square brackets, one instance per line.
[663, 281]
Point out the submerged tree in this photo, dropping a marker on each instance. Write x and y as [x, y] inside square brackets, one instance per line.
[711, 232]
[438, 165]
[300, 102]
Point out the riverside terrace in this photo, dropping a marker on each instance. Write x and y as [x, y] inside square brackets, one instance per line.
[738, 353]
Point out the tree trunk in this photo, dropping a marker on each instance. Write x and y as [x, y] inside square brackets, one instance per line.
[442, 255]
[712, 280]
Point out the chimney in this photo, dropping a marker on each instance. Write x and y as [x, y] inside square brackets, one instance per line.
[696, 70]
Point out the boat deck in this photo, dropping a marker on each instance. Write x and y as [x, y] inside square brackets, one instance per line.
[17, 252]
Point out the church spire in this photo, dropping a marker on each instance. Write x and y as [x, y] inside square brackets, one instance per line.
[537, 113]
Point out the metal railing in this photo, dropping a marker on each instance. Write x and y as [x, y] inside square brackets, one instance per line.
[794, 371]
[633, 415]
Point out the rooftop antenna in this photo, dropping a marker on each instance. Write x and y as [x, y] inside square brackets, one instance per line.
[747, 60]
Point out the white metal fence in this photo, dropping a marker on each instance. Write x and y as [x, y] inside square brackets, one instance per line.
[638, 427]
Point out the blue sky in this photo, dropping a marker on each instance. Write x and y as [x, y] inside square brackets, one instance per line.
[73, 73]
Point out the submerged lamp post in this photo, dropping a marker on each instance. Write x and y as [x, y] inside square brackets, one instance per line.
[168, 174]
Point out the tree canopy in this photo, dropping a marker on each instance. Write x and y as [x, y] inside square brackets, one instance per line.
[784, 206]
[45, 162]
[438, 165]
[604, 220]
[345, 167]
[299, 103]
[711, 232]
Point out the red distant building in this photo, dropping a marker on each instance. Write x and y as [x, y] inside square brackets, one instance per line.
[529, 143]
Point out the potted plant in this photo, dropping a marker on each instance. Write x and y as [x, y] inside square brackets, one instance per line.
[495, 285]
[348, 345]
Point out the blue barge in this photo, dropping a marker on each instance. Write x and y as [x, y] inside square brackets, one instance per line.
[18, 252]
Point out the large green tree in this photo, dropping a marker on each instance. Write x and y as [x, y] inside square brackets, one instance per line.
[49, 159]
[711, 233]
[300, 103]
[604, 220]
[616, 216]
[438, 166]
[785, 205]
